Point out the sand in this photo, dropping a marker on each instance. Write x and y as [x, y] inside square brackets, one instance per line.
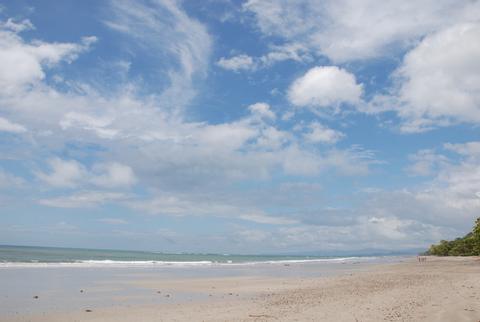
[442, 289]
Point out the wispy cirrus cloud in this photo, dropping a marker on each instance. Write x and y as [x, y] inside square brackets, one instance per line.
[180, 44]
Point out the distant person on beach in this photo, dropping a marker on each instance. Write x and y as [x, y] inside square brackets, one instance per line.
[422, 259]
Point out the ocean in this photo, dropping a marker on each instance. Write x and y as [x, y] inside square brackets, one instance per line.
[26, 256]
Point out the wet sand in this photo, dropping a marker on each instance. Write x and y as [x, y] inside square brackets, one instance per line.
[442, 289]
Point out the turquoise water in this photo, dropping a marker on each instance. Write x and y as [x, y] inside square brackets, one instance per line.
[16, 255]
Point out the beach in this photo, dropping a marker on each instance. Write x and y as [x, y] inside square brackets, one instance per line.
[441, 289]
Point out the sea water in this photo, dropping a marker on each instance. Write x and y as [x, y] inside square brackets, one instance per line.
[26, 256]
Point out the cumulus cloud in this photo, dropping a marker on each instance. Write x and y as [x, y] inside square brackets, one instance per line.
[63, 173]
[439, 80]
[349, 30]
[23, 63]
[262, 110]
[436, 84]
[319, 133]
[72, 174]
[325, 86]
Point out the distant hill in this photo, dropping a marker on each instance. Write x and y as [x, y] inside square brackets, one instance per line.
[469, 245]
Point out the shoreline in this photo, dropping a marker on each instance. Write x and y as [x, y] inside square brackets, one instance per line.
[162, 264]
[442, 289]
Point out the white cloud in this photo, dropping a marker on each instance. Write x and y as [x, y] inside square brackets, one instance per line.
[440, 80]
[325, 86]
[262, 110]
[276, 53]
[237, 63]
[426, 162]
[291, 51]
[72, 174]
[23, 63]
[197, 205]
[272, 139]
[451, 196]
[189, 168]
[366, 233]
[319, 133]
[83, 199]
[64, 173]
[469, 149]
[99, 125]
[228, 136]
[7, 126]
[114, 175]
[139, 133]
[354, 161]
[20, 26]
[296, 162]
[163, 27]
[349, 30]
[458, 184]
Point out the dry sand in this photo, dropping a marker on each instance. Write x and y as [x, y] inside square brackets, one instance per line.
[442, 289]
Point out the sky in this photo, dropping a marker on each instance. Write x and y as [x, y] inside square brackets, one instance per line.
[254, 126]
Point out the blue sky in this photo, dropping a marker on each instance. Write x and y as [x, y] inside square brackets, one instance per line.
[239, 126]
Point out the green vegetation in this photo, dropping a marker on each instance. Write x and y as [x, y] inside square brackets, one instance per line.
[466, 246]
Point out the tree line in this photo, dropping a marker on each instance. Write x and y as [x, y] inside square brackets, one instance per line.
[469, 245]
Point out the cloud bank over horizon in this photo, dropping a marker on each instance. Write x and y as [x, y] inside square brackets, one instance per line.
[240, 127]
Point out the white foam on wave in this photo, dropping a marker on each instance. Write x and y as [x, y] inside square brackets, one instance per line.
[104, 263]
[149, 264]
